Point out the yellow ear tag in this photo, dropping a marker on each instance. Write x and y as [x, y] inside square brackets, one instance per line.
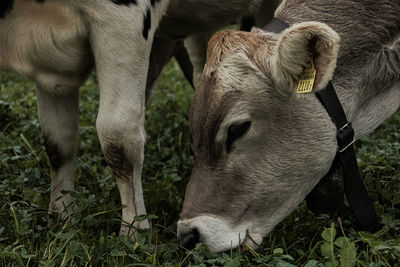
[307, 78]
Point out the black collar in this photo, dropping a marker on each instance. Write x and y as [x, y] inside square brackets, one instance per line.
[275, 26]
[356, 193]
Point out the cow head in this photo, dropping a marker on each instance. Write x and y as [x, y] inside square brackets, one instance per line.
[259, 147]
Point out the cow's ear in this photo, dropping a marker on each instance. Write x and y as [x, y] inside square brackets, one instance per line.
[296, 47]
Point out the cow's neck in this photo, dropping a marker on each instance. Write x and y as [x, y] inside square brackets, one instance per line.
[367, 84]
[373, 111]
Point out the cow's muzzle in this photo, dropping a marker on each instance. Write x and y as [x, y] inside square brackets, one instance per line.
[215, 232]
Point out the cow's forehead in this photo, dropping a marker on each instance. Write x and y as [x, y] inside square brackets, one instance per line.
[232, 57]
[254, 47]
[235, 63]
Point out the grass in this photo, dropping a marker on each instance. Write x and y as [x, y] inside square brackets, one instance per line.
[29, 237]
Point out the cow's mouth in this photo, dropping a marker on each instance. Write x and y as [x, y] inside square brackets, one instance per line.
[249, 243]
[217, 234]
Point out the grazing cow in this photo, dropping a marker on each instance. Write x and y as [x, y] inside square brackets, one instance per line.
[260, 147]
[56, 43]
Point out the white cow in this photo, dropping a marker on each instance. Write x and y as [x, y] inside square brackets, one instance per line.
[56, 43]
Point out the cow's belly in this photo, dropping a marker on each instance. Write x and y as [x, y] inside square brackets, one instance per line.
[46, 42]
[187, 17]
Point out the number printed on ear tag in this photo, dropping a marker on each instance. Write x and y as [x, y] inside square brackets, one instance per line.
[307, 78]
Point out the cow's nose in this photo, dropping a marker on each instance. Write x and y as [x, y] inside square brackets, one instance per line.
[189, 239]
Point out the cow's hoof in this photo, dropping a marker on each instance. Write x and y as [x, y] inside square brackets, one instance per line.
[62, 206]
[327, 196]
[131, 231]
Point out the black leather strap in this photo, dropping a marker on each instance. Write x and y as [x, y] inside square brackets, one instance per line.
[276, 26]
[356, 193]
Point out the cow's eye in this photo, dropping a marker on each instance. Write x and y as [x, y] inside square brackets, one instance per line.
[235, 131]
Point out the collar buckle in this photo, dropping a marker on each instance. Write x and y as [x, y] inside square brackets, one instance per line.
[345, 137]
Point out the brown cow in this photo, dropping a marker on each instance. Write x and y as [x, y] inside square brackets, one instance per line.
[260, 147]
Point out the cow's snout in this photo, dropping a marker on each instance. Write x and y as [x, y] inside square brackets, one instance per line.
[217, 233]
[189, 238]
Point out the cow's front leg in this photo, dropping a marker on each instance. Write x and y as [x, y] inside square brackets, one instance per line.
[121, 37]
[122, 136]
[58, 116]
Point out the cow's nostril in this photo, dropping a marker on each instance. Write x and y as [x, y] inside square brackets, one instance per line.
[190, 239]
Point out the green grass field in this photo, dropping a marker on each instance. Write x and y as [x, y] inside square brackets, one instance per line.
[29, 237]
